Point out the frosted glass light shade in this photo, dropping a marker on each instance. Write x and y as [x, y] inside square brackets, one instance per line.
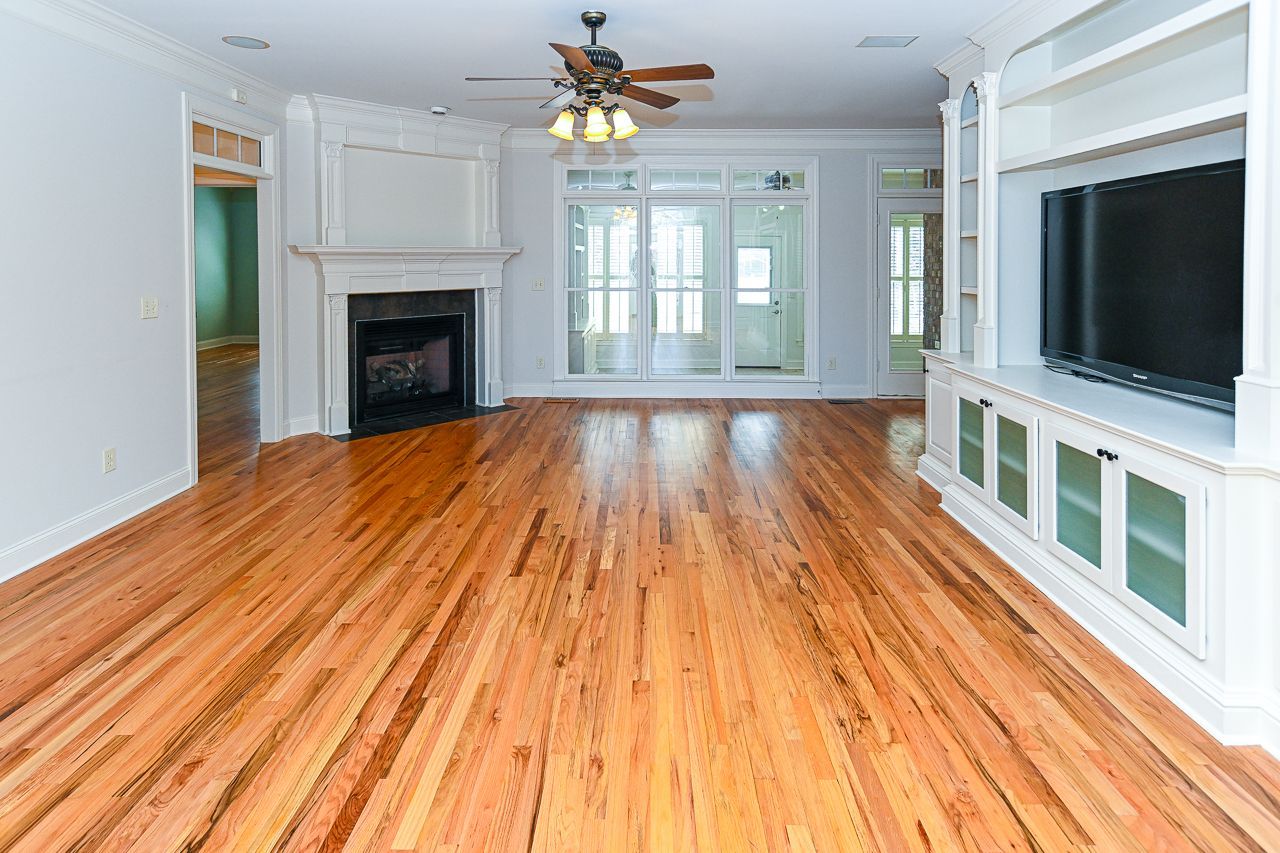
[598, 129]
[623, 126]
[563, 126]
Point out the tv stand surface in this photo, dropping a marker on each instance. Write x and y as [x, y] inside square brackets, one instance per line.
[1199, 433]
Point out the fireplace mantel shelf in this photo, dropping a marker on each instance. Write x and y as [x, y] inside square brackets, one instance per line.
[416, 253]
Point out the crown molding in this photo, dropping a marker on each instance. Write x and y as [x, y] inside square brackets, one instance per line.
[299, 110]
[657, 140]
[1018, 14]
[368, 125]
[957, 59]
[123, 38]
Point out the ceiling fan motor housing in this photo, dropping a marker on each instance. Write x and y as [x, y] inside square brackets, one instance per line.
[603, 58]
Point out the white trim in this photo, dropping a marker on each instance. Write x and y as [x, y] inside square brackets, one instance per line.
[721, 141]
[271, 305]
[114, 34]
[831, 391]
[43, 546]
[957, 59]
[213, 343]
[710, 389]
[302, 425]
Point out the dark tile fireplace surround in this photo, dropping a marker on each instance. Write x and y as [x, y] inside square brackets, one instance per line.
[412, 360]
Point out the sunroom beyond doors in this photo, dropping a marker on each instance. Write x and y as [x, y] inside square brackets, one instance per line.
[711, 286]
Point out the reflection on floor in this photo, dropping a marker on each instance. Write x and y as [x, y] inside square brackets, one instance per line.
[227, 406]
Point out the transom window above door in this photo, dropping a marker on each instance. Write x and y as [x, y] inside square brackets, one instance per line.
[225, 144]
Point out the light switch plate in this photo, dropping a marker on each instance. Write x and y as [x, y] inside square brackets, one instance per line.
[150, 307]
[539, 284]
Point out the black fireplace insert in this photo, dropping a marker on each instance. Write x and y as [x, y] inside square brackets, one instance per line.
[407, 365]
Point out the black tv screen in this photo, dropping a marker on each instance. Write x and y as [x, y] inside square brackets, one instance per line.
[1142, 279]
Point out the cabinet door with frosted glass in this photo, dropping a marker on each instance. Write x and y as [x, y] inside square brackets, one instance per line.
[1014, 461]
[971, 448]
[1159, 549]
[1078, 503]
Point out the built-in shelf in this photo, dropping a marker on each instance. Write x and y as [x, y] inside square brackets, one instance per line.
[969, 178]
[1196, 121]
[1205, 25]
[971, 121]
[969, 234]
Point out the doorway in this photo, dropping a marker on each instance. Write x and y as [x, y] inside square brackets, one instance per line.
[907, 264]
[228, 397]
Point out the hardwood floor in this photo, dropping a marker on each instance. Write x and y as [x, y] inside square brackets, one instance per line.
[609, 625]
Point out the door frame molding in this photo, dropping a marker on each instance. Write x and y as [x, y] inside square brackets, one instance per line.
[270, 203]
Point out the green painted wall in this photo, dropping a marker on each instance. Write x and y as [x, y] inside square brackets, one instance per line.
[226, 262]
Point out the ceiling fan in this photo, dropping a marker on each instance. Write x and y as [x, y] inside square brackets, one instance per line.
[595, 72]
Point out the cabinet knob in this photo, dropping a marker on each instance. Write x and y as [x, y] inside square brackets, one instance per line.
[1108, 455]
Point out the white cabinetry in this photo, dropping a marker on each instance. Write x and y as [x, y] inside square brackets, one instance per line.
[995, 453]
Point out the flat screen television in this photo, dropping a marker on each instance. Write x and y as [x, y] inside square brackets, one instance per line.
[1142, 280]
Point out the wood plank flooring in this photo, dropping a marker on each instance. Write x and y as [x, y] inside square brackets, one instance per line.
[610, 625]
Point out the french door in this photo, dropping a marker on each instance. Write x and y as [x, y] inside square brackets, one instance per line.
[648, 297]
[902, 269]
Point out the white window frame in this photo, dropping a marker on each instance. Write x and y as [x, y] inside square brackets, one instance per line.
[642, 198]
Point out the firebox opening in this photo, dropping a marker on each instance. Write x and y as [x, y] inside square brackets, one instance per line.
[407, 365]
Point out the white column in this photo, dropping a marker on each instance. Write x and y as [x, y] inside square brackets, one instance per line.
[950, 323]
[493, 392]
[333, 198]
[335, 338]
[985, 341]
[492, 235]
[1258, 388]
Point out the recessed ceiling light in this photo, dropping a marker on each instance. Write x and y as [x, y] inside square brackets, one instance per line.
[247, 42]
[887, 41]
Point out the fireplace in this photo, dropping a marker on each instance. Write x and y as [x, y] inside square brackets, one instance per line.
[404, 366]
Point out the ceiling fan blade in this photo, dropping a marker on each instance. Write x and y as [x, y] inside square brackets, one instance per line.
[671, 72]
[575, 56]
[561, 100]
[649, 96]
[483, 79]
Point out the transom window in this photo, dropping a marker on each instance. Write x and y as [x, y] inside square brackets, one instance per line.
[911, 179]
[225, 145]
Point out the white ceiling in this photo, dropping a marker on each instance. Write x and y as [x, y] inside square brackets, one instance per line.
[776, 65]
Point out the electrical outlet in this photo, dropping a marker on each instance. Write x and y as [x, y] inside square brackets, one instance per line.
[108, 460]
[540, 362]
[539, 284]
[831, 362]
[150, 307]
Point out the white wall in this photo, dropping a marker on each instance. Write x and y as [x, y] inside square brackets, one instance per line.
[398, 199]
[93, 218]
[845, 239]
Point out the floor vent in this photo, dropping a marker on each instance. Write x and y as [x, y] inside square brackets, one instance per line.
[561, 400]
[846, 402]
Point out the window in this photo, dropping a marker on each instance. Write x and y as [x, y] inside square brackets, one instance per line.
[906, 286]
[603, 290]
[676, 255]
[601, 179]
[755, 275]
[911, 179]
[685, 180]
[225, 145]
[755, 180]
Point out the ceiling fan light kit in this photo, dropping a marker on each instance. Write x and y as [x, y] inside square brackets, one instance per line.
[595, 73]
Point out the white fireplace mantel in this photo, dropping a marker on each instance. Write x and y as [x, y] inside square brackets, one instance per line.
[347, 270]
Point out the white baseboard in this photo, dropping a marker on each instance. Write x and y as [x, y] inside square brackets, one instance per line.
[302, 426]
[691, 390]
[1233, 718]
[932, 472]
[831, 391]
[226, 340]
[34, 550]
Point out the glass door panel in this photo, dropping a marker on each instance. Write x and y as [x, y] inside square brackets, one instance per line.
[603, 293]
[1155, 544]
[1077, 503]
[1011, 465]
[768, 290]
[971, 461]
[685, 324]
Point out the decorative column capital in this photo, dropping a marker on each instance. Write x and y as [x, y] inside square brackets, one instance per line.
[337, 302]
[493, 294]
[950, 109]
[333, 150]
[987, 85]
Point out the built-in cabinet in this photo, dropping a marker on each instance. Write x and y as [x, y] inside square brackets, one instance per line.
[1129, 520]
[1129, 525]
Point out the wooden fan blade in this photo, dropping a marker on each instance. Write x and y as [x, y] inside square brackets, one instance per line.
[483, 79]
[575, 56]
[649, 96]
[561, 100]
[671, 72]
